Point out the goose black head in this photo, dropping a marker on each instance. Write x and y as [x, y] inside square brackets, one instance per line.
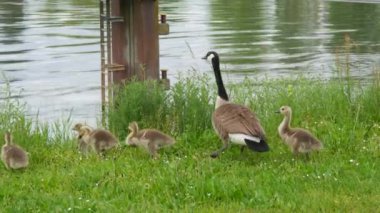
[211, 55]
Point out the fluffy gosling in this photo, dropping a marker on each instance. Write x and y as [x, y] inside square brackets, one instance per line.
[13, 156]
[299, 140]
[83, 146]
[151, 139]
[99, 140]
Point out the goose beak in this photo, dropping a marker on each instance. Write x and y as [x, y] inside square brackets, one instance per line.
[205, 57]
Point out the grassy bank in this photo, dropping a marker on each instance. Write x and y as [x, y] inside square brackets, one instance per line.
[343, 177]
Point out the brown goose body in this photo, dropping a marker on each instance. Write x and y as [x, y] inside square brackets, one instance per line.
[299, 140]
[150, 139]
[12, 155]
[232, 118]
[233, 122]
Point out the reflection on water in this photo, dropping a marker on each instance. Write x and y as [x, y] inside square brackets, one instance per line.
[272, 38]
[49, 49]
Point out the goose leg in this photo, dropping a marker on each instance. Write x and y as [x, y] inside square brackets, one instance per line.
[217, 152]
[242, 149]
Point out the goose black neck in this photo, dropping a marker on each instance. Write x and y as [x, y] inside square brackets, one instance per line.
[218, 77]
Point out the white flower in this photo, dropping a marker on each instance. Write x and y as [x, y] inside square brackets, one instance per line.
[69, 209]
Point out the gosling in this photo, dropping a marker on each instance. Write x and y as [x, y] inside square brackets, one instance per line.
[150, 139]
[83, 146]
[99, 140]
[299, 140]
[13, 156]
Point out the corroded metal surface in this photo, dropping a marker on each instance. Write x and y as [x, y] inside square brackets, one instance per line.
[117, 42]
[141, 30]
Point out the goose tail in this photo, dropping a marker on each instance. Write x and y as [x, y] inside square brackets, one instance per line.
[262, 146]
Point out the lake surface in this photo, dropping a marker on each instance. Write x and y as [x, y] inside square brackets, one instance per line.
[49, 49]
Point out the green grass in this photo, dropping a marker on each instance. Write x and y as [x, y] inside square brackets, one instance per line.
[343, 177]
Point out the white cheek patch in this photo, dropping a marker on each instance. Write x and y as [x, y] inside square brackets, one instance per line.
[210, 57]
[239, 138]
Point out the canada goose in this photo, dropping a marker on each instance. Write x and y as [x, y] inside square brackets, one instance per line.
[299, 140]
[13, 156]
[151, 139]
[99, 140]
[232, 122]
[83, 146]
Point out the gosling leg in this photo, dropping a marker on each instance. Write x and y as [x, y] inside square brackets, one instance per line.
[152, 148]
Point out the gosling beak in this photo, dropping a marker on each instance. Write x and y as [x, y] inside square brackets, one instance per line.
[277, 112]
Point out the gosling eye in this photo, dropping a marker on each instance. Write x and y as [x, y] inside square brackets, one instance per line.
[282, 109]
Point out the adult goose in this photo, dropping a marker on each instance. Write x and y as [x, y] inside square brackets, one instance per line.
[233, 122]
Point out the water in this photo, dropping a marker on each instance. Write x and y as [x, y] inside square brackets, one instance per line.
[49, 49]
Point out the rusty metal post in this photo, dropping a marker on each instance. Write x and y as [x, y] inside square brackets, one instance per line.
[118, 43]
[141, 30]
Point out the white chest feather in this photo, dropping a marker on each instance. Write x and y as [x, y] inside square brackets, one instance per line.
[240, 138]
[219, 102]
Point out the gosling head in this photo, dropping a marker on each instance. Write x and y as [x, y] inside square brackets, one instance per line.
[77, 126]
[285, 110]
[133, 127]
[83, 131]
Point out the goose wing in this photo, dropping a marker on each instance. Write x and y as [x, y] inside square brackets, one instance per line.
[233, 118]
